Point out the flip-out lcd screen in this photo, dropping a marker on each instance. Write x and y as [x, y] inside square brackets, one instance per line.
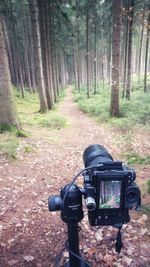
[110, 193]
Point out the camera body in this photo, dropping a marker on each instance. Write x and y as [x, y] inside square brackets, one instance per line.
[111, 187]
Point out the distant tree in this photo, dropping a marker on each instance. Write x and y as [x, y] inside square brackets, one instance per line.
[95, 46]
[34, 13]
[87, 48]
[78, 45]
[44, 34]
[116, 27]
[130, 30]
[141, 41]
[147, 49]
[8, 114]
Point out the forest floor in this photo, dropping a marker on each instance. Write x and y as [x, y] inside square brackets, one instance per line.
[30, 235]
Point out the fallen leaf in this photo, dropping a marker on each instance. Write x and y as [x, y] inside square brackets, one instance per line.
[127, 261]
[143, 219]
[109, 259]
[12, 262]
[29, 258]
[91, 251]
[98, 236]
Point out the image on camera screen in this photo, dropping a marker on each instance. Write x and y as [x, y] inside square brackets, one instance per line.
[110, 192]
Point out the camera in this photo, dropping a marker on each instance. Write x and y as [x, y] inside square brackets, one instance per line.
[109, 190]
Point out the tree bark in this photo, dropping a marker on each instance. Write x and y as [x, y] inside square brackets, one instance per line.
[8, 114]
[141, 43]
[131, 15]
[147, 47]
[95, 51]
[78, 46]
[116, 20]
[37, 54]
[45, 53]
[125, 52]
[87, 51]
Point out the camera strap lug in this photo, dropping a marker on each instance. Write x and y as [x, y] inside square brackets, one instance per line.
[119, 244]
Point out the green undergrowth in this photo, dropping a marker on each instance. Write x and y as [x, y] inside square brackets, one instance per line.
[134, 158]
[12, 129]
[148, 185]
[133, 112]
[8, 145]
[29, 116]
[146, 209]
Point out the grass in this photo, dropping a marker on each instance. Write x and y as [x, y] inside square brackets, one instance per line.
[30, 117]
[134, 158]
[148, 186]
[145, 209]
[136, 111]
[9, 145]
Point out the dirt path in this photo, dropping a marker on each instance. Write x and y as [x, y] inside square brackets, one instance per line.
[32, 236]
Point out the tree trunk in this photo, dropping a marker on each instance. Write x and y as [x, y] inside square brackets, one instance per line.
[44, 46]
[116, 20]
[78, 46]
[37, 54]
[141, 43]
[95, 52]
[147, 47]
[87, 52]
[51, 45]
[75, 68]
[8, 114]
[125, 52]
[131, 15]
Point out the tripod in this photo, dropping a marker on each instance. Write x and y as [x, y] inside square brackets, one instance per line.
[75, 260]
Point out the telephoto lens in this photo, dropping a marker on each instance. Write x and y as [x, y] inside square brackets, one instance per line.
[95, 154]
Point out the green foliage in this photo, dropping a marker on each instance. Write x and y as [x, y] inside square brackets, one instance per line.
[53, 121]
[27, 108]
[62, 95]
[138, 82]
[8, 128]
[28, 149]
[9, 147]
[134, 158]
[148, 185]
[12, 129]
[136, 111]
[97, 105]
[146, 209]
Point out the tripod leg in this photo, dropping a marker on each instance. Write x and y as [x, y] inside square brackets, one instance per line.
[73, 242]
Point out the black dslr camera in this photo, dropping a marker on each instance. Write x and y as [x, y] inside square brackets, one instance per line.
[109, 191]
[110, 188]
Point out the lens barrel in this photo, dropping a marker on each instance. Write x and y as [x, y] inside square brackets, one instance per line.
[95, 154]
[54, 203]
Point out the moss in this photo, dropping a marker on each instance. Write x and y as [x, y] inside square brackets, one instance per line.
[12, 129]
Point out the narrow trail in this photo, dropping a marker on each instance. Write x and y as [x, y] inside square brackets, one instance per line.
[32, 236]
